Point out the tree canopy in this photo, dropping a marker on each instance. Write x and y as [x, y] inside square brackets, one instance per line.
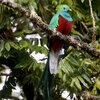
[24, 28]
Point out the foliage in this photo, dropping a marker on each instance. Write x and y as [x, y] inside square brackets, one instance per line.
[78, 70]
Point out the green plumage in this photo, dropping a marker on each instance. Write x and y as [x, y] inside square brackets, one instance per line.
[54, 21]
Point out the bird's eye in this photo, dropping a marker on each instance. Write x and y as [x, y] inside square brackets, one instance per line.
[64, 8]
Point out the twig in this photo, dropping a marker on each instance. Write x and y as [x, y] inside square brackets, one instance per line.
[42, 59]
[4, 74]
[93, 21]
[96, 75]
[37, 20]
[87, 96]
[85, 27]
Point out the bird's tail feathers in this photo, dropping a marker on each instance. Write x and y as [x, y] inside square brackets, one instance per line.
[53, 61]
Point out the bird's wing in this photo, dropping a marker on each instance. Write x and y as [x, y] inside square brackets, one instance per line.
[54, 21]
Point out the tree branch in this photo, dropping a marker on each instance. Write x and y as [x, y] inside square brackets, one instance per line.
[87, 96]
[37, 20]
[4, 74]
[93, 21]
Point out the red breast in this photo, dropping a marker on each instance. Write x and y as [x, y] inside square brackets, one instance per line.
[64, 26]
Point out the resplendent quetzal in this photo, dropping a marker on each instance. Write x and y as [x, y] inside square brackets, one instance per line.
[62, 22]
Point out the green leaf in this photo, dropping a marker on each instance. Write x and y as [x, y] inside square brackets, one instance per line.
[72, 82]
[86, 78]
[97, 83]
[61, 1]
[27, 31]
[14, 45]
[82, 1]
[19, 66]
[31, 66]
[1, 45]
[44, 50]
[69, 2]
[7, 46]
[36, 41]
[53, 1]
[60, 73]
[73, 31]
[82, 81]
[86, 61]
[72, 60]
[40, 49]
[69, 68]
[65, 70]
[77, 83]
[23, 44]
[63, 67]
[64, 77]
[43, 41]
[66, 66]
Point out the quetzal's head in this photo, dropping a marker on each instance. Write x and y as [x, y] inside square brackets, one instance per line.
[62, 8]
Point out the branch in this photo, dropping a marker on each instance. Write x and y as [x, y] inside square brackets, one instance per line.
[93, 21]
[37, 20]
[82, 45]
[87, 96]
[4, 74]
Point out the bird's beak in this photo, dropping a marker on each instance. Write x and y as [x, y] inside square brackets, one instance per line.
[70, 9]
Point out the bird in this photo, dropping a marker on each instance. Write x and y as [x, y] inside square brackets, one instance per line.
[62, 22]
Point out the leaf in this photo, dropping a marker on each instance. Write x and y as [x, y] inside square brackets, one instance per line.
[77, 83]
[82, 1]
[73, 31]
[66, 65]
[86, 78]
[23, 44]
[61, 1]
[19, 66]
[86, 61]
[44, 50]
[63, 68]
[7, 46]
[53, 1]
[43, 41]
[31, 66]
[1, 45]
[72, 60]
[69, 2]
[82, 81]
[60, 72]
[97, 83]
[69, 68]
[40, 49]
[18, 33]
[36, 41]
[72, 82]
[64, 77]
[27, 30]
[14, 45]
